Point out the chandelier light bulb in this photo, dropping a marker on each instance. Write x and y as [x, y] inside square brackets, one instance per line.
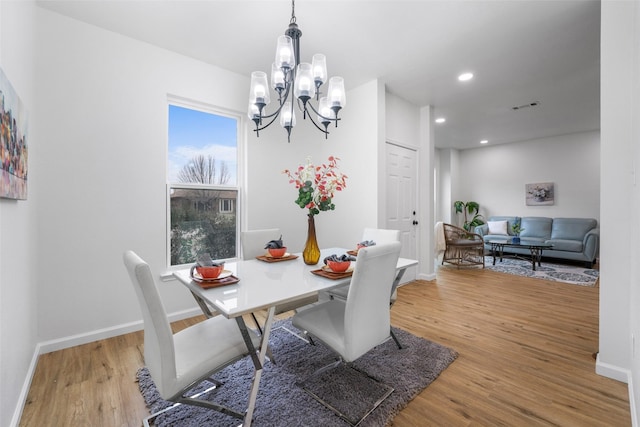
[253, 112]
[277, 78]
[324, 111]
[258, 93]
[285, 57]
[304, 88]
[287, 115]
[336, 92]
[319, 66]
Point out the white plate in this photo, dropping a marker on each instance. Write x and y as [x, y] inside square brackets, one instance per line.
[268, 255]
[348, 270]
[223, 274]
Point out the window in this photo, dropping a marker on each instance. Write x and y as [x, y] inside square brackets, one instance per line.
[202, 175]
[226, 206]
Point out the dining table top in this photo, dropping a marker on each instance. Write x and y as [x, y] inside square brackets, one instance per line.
[266, 284]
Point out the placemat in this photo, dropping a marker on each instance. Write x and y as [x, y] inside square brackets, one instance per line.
[272, 259]
[331, 275]
[206, 284]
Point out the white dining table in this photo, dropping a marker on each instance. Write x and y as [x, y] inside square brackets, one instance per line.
[263, 285]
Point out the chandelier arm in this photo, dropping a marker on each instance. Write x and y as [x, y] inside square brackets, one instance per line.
[326, 118]
[281, 102]
[274, 114]
[258, 129]
[326, 132]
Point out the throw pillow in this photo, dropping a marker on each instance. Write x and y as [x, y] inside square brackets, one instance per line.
[497, 227]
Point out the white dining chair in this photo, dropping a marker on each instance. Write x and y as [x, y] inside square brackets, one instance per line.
[253, 242]
[354, 326]
[379, 236]
[178, 362]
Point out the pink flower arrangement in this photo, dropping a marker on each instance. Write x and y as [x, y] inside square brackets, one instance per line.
[317, 185]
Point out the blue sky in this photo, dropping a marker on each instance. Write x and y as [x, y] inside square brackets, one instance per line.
[193, 132]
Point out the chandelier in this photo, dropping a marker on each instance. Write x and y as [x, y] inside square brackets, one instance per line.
[295, 83]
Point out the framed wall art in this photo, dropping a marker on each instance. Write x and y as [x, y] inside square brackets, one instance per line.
[539, 194]
[13, 142]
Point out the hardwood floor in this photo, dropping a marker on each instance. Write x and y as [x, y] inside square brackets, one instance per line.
[525, 359]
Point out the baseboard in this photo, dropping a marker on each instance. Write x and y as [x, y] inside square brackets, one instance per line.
[428, 277]
[22, 398]
[612, 371]
[114, 331]
[632, 403]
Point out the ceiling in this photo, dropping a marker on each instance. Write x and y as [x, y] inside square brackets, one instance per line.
[519, 51]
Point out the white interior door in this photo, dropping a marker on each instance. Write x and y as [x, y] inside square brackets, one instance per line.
[401, 199]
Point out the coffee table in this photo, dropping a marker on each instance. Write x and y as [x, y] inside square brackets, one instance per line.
[536, 248]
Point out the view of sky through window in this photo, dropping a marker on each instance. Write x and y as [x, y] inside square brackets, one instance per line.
[193, 133]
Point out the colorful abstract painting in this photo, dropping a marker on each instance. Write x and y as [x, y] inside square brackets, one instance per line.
[13, 142]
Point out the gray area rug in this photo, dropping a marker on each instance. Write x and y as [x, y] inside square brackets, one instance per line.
[281, 402]
[573, 274]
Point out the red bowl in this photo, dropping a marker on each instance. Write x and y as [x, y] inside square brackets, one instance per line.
[277, 252]
[338, 266]
[209, 272]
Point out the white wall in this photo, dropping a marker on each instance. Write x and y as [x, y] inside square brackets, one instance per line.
[18, 266]
[634, 85]
[495, 177]
[619, 94]
[448, 164]
[402, 121]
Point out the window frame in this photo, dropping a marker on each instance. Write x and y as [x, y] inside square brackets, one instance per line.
[240, 166]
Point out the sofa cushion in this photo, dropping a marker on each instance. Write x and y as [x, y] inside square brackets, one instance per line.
[535, 226]
[566, 245]
[533, 240]
[572, 228]
[510, 221]
[497, 227]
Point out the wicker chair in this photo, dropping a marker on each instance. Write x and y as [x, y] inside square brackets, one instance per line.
[463, 247]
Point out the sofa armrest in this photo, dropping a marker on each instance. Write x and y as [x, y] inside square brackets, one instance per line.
[591, 244]
[482, 230]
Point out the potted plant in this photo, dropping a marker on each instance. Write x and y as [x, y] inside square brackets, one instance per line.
[516, 228]
[470, 208]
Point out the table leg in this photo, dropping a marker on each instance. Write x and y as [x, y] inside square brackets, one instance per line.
[258, 360]
[396, 281]
[536, 255]
[494, 248]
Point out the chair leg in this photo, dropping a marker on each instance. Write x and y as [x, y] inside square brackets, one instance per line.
[395, 338]
[194, 401]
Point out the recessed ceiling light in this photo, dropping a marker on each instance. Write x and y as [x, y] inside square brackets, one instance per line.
[441, 120]
[484, 141]
[465, 76]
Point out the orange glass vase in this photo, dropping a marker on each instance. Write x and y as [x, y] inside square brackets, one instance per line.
[311, 252]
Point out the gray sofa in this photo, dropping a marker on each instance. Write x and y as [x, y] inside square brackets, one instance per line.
[576, 239]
